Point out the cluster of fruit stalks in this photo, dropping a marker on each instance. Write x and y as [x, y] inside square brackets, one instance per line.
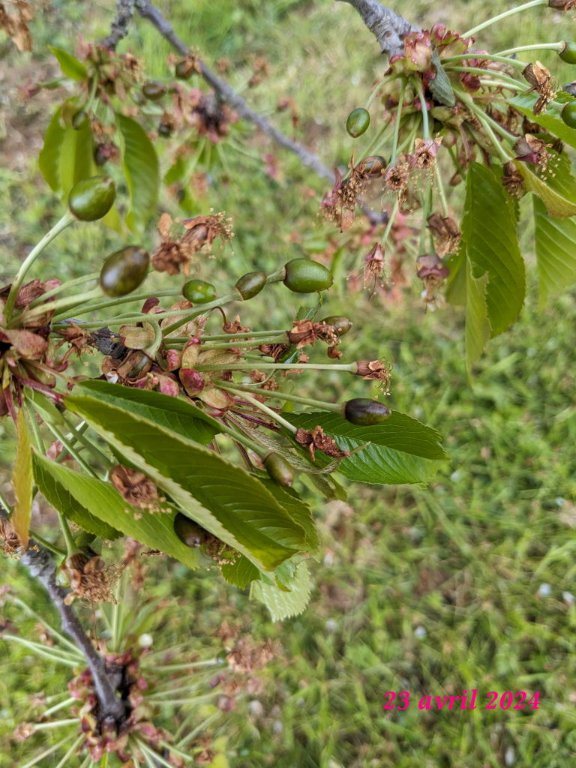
[232, 374]
[442, 105]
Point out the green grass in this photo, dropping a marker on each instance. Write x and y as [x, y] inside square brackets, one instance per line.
[464, 584]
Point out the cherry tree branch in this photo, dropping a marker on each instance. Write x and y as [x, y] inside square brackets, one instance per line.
[386, 25]
[148, 11]
[119, 29]
[41, 566]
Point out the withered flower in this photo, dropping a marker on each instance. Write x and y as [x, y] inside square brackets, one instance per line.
[397, 176]
[15, 23]
[446, 233]
[136, 488]
[317, 439]
[374, 370]
[10, 543]
[306, 332]
[562, 5]
[374, 266]
[174, 255]
[533, 150]
[513, 181]
[90, 578]
[432, 271]
[541, 81]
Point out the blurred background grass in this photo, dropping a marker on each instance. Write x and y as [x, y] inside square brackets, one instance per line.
[465, 584]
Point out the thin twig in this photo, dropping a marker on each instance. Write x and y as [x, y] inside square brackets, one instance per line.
[41, 566]
[386, 25]
[229, 95]
[119, 29]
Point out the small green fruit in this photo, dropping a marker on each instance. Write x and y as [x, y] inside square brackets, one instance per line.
[373, 165]
[153, 90]
[358, 122]
[568, 114]
[79, 120]
[92, 198]
[306, 276]
[124, 270]
[165, 130]
[189, 532]
[250, 284]
[340, 324]
[364, 413]
[185, 68]
[279, 469]
[199, 291]
[568, 53]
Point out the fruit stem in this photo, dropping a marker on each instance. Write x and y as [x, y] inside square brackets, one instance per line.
[63, 304]
[243, 343]
[486, 123]
[504, 15]
[63, 287]
[71, 547]
[498, 57]
[288, 397]
[200, 310]
[104, 304]
[46, 544]
[486, 72]
[348, 367]
[441, 190]
[269, 412]
[59, 227]
[534, 47]
[425, 121]
[397, 125]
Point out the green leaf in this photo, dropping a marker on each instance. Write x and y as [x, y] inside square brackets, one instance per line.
[104, 502]
[71, 66]
[67, 154]
[297, 509]
[49, 157]
[240, 573]
[55, 491]
[456, 283]
[555, 252]
[550, 120]
[170, 414]
[142, 170]
[22, 482]
[490, 240]
[477, 324]
[282, 603]
[220, 497]
[401, 450]
[550, 192]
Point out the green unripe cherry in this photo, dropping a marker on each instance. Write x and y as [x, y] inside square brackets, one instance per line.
[250, 284]
[189, 532]
[358, 122]
[568, 53]
[279, 469]
[199, 291]
[91, 199]
[365, 413]
[372, 166]
[340, 324]
[185, 68]
[153, 90]
[124, 270]
[568, 114]
[306, 276]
